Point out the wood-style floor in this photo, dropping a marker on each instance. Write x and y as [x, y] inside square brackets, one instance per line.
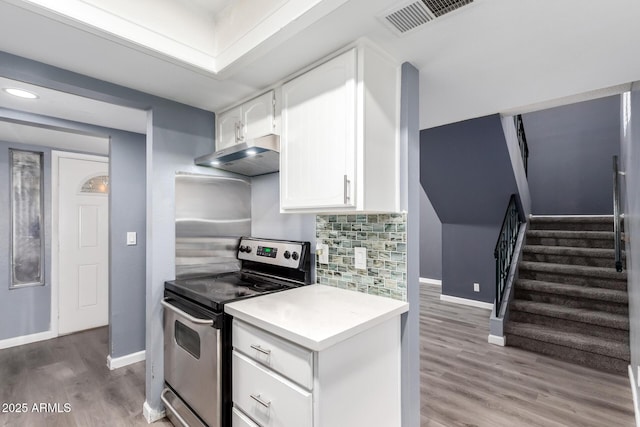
[466, 381]
[70, 370]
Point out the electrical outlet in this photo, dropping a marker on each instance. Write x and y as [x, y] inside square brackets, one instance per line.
[361, 258]
[322, 252]
[476, 287]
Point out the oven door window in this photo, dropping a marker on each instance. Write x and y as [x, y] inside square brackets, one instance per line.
[188, 339]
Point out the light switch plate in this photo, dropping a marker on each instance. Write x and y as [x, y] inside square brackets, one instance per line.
[132, 238]
[361, 258]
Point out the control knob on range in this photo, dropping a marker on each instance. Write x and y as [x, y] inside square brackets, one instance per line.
[247, 249]
[241, 248]
[287, 254]
[294, 256]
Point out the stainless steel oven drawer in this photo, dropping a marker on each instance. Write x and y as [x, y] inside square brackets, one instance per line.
[178, 412]
[192, 355]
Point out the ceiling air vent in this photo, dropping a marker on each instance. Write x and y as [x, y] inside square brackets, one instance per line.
[410, 16]
[441, 7]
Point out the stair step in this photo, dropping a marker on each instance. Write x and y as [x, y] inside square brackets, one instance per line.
[593, 223]
[594, 257]
[602, 346]
[571, 251]
[619, 335]
[570, 255]
[573, 274]
[592, 293]
[598, 353]
[581, 239]
[592, 317]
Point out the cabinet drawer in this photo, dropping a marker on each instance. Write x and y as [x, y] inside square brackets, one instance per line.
[267, 397]
[288, 359]
[238, 419]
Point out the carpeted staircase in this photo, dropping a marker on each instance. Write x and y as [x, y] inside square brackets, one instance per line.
[569, 301]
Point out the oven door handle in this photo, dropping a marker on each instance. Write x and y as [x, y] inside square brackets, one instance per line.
[165, 303]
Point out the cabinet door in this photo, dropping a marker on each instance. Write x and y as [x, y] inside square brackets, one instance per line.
[317, 163]
[258, 116]
[227, 128]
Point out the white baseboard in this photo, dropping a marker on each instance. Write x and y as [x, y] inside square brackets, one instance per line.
[497, 340]
[564, 216]
[634, 391]
[465, 301]
[434, 282]
[119, 362]
[27, 339]
[150, 414]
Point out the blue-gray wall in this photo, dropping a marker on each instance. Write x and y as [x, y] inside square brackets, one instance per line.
[410, 201]
[430, 240]
[630, 163]
[176, 133]
[570, 150]
[127, 213]
[466, 171]
[266, 219]
[23, 311]
[127, 264]
[467, 253]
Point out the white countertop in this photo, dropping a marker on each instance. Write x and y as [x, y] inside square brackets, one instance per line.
[316, 316]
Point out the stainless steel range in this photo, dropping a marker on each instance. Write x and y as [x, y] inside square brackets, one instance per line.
[197, 333]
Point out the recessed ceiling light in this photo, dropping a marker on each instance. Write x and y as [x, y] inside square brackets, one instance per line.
[251, 152]
[21, 93]
[215, 163]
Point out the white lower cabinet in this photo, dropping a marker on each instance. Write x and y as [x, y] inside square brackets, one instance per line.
[238, 419]
[355, 383]
[268, 398]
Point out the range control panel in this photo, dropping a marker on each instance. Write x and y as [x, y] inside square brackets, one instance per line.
[275, 252]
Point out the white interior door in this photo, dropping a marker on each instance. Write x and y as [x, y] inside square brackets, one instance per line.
[83, 230]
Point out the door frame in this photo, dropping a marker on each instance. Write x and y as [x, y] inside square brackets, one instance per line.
[55, 237]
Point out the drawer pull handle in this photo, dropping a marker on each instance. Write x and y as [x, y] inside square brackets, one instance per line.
[258, 399]
[260, 349]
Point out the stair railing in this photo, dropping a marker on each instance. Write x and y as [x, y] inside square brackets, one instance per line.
[506, 245]
[616, 215]
[522, 142]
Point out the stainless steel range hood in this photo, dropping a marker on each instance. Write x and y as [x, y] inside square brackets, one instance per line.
[254, 157]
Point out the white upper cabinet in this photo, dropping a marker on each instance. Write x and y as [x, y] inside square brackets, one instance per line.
[318, 124]
[339, 136]
[258, 116]
[227, 128]
[253, 119]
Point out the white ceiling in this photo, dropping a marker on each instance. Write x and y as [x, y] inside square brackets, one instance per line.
[489, 57]
[67, 106]
[25, 133]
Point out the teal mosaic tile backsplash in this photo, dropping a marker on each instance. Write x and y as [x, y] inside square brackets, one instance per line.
[385, 238]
